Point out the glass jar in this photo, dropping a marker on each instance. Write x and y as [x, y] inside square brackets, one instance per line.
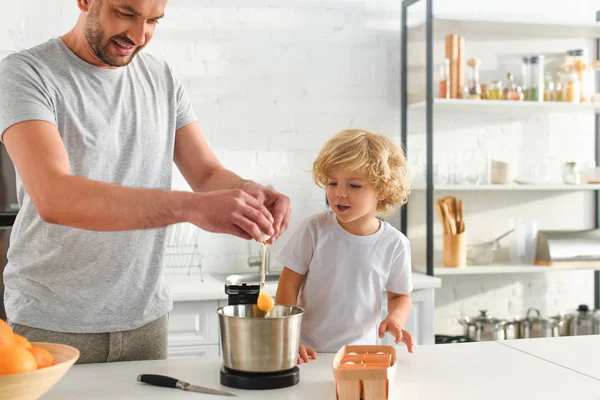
[575, 61]
[561, 80]
[511, 91]
[494, 91]
[533, 78]
[473, 82]
[549, 93]
[571, 175]
[445, 79]
[572, 88]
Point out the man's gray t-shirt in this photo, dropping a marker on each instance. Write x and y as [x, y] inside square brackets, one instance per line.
[118, 126]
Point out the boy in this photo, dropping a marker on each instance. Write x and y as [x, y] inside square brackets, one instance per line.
[338, 263]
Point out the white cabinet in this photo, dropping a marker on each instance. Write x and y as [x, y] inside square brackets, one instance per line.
[420, 321]
[193, 351]
[194, 329]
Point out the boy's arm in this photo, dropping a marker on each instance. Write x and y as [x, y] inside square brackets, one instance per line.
[399, 306]
[287, 293]
[288, 287]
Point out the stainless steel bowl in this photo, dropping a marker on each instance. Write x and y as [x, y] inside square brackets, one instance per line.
[253, 342]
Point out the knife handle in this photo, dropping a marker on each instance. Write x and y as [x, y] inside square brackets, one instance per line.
[158, 380]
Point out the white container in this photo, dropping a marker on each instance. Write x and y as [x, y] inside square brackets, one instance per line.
[500, 173]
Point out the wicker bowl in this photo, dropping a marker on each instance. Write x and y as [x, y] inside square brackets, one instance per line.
[32, 385]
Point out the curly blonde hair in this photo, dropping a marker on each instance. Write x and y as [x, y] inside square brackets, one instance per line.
[378, 156]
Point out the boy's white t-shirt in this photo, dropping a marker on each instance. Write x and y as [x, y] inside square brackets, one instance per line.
[346, 276]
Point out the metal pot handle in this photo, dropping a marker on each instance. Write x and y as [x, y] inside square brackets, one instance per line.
[533, 309]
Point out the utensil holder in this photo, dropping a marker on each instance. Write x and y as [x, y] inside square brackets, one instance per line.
[455, 250]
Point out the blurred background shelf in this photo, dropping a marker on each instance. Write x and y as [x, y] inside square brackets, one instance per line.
[452, 105]
[507, 269]
[512, 187]
[504, 29]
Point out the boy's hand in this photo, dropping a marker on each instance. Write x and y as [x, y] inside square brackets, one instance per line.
[393, 327]
[304, 353]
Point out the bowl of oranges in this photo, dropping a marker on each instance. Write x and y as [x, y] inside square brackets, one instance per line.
[30, 369]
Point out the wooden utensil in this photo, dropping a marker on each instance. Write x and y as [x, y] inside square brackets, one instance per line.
[451, 220]
[440, 214]
[460, 216]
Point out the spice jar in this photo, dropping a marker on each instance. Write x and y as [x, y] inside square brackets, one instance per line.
[549, 93]
[560, 83]
[445, 79]
[533, 77]
[572, 88]
[511, 91]
[494, 91]
[473, 83]
[576, 62]
[571, 175]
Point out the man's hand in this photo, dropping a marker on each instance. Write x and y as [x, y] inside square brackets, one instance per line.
[304, 353]
[230, 211]
[395, 329]
[277, 204]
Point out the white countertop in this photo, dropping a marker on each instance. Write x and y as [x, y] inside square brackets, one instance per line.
[487, 370]
[191, 288]
[579, 353]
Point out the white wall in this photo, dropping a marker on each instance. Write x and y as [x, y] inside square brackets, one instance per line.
[271, 80]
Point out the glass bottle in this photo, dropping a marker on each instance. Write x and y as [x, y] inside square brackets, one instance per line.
[549, 93]
[494, 91]
[474, 86]
[511, 91]
[533, 77]
[445, 79]
[571, 175]
[536, 78]
[575, 61]
[525, 77]
[561, 80]
[572, 88]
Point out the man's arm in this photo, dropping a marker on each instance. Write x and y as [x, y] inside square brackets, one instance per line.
[40, 157]
[199, 165]
[203, 172]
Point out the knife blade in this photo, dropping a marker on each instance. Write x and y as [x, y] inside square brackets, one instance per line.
[167, 381]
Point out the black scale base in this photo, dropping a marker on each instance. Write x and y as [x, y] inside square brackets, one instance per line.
[259, 380]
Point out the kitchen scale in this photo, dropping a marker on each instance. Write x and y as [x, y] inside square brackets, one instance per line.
[248, 294]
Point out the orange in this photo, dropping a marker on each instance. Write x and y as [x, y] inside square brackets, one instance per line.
[6, 334]
[265, 302]
[15, 360]
[21, 341]
[42, 357]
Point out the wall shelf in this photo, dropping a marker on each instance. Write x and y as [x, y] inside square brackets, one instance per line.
[504, 29]
[508, 269]
[513, 187]
[426, 31]
[453, 105]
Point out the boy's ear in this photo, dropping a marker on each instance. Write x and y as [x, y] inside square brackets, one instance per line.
[381, 197]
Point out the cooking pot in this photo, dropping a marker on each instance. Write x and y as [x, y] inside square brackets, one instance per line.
[584, 321]
[537, 326]
[255, 341]
[484, 327]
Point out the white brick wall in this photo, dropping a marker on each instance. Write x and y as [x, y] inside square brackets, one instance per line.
[271, 80]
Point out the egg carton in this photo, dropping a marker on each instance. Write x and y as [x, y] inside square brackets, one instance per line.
[364, 372]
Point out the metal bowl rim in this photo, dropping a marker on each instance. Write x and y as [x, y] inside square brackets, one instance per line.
[299, 314]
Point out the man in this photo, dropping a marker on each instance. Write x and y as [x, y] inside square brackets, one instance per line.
[93, 127]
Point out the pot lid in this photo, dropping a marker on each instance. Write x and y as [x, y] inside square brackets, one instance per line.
[484, 317]
[534, 315]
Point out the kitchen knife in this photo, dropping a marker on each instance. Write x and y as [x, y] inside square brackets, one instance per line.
[166, 381]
